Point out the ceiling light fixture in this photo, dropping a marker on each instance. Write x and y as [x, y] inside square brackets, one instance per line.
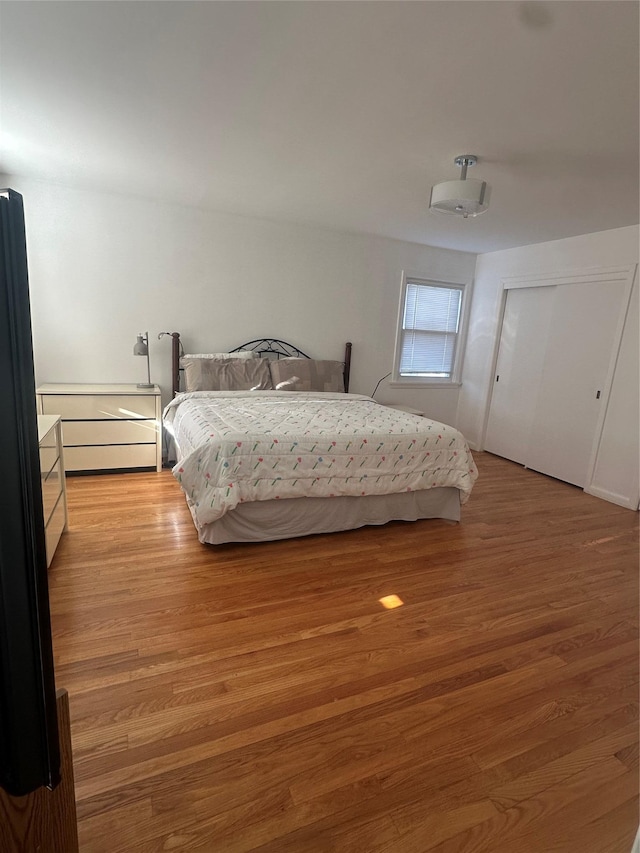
[464, 197]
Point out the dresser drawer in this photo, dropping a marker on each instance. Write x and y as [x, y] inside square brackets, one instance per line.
[98, 406]
[77, 433]
[51, 489]
[54, 500]
[110, 457]
[48, 458]
[55, 528]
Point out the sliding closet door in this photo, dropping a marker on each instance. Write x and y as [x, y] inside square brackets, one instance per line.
[527, 319]
[577, 358]
[556, 348]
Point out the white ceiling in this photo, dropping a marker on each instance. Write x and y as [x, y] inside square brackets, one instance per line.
[338, 114]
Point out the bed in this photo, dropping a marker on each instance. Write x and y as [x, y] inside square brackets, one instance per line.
[277, 460]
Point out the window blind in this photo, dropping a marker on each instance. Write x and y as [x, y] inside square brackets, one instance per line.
[430, 330]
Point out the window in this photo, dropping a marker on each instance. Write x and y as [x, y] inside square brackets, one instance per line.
[428, 345]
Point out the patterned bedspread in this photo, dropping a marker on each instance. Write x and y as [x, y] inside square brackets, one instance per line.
[238, 446]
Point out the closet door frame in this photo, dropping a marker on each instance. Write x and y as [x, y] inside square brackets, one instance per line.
[587, 275]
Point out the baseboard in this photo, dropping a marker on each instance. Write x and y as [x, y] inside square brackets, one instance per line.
[612, 497]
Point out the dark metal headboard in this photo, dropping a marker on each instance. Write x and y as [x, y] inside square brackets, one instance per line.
[263, 347]
[266, 347]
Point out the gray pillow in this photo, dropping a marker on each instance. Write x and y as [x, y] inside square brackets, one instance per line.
[227, 374]
[307, 374]
[242, 353]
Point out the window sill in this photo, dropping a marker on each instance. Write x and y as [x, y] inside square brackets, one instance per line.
[425, 384]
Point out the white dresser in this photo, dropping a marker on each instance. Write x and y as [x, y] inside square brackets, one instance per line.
[54, 495]
[106, 427]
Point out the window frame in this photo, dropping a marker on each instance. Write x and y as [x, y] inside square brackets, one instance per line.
[455, 379]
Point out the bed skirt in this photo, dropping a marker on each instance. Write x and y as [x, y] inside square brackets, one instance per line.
[265, 521]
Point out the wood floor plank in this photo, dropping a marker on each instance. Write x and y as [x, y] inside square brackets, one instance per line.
[559, 727]
[259, 697]
[597, 752]
[548, 813]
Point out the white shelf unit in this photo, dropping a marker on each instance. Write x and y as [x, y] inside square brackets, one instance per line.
[106, 427]
[54, 494]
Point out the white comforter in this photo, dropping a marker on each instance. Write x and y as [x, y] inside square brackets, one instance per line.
[238, 446]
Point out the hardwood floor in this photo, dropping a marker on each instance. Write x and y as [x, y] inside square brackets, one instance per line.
[260, 697]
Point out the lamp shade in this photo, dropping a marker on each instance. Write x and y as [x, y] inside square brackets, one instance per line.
[460, 198]
[141, 347]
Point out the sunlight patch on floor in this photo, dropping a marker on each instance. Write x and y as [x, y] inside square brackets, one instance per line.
[389, 602]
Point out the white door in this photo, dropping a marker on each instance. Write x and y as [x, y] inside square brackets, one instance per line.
[526, 323]
[579, 349]
[554, 356]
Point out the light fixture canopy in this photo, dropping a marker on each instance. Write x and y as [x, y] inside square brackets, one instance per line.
[465, 197]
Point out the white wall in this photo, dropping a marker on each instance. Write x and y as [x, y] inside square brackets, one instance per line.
[616, 471]
[103, 267]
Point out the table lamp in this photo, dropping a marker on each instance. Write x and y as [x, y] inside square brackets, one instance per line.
[142, 348]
